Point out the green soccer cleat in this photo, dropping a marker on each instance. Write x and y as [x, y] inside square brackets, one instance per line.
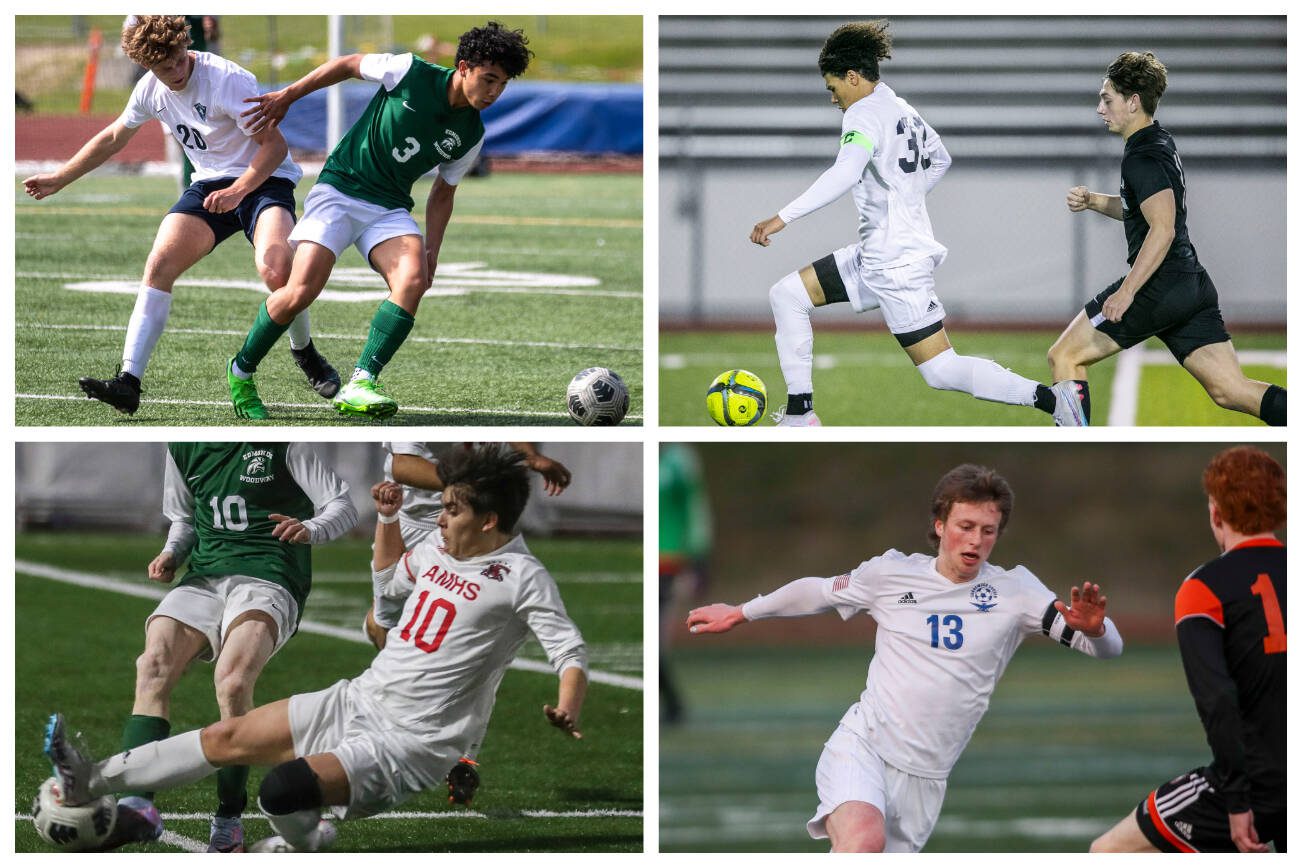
[244, 395]
[362, 397]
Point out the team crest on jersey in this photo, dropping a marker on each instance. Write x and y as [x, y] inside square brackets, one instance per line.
[497, 571]
[450, 142]
[983, 596]
[201, 110]
[257, 466]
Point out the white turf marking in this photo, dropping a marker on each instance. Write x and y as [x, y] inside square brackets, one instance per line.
[1124, 407]
[321, 405]
[416, 339]
[416, 815]
[105, 583]
[181, 842]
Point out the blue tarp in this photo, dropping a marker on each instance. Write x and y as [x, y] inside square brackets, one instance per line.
[529, 116]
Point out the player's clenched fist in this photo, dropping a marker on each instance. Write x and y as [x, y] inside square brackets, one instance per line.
[162, 568]
[40, 186]
[387, 497]
[1078, 198]
[714, 618]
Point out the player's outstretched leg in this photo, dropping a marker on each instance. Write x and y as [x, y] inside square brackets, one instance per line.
[362, 396]
[943, 368]
[794, 336]
[70, 766]
[292, 796]
[1216, 367]
[1069, 404]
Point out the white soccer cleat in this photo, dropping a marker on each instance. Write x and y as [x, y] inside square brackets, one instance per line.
[325, 835]
[803, 420]
[1068, 412]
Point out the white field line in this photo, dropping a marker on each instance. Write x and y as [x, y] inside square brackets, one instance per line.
[181, 842]
[284, 405]
[552, 345]
[105, 583]
[1124, 407]
[424, 815]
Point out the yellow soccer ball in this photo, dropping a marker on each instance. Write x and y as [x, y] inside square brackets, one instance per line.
[736, 398]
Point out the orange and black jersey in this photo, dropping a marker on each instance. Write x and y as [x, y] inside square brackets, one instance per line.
[1229, 617]
[1149, 165]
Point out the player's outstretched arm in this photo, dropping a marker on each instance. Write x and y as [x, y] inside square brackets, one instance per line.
[564, 715]
[556, 476]
[270, 108]
[92, 155]
[1081, 199]
[416, 471]
[389, 547]
[715, 618]
[1087, 611]
[1084, 626]
[438, 212]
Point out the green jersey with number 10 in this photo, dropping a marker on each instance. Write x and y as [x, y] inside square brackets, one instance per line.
[408, 128]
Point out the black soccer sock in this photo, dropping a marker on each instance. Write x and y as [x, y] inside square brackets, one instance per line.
[1045, 400]
[290, 787]
[1274, 406]
[1084, 391]
[799, 405]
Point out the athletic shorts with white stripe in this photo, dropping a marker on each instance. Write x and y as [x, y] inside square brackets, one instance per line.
[1187, 815]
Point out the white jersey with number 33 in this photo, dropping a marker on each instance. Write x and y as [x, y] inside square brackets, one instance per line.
[941, 647]
[463, 623]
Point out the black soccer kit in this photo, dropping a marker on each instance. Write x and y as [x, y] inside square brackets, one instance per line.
[1178, 304]
[1230, 621]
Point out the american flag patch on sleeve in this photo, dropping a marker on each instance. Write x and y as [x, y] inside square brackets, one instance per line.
[840, 583]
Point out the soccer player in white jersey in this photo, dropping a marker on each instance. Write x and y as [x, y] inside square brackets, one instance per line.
[474, 591]
[947, 627]
[242, 181]
[415, 467]
[890, 158]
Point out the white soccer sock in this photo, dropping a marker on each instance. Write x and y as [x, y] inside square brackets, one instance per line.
[980, 378]
[158, 765]
[143, 330]
[795, 335]
[299, 829]
[300, 332]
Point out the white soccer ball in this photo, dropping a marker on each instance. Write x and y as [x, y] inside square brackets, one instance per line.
[69, 827]
[597, 396]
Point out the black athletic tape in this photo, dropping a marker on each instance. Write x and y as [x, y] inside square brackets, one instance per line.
[829, 278]
[1046, 623]
[290, 787]
[908, 339]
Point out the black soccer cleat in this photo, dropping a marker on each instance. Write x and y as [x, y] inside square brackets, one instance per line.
[122, 393]
[463, 781]
[321, 376]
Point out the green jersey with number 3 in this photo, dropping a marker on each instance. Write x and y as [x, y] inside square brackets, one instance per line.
[236, 487]
[405, 132]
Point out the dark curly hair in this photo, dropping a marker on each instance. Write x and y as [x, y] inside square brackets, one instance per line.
[969, 483]
[493, 43]
[858, 46]
[490, 478]
[1142, 73]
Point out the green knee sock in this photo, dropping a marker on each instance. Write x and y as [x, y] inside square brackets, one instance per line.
[389, 328]
[261, 338]
[142, 729]
[231, 795]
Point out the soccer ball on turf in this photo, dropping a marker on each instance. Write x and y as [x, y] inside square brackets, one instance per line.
[72, 827]
[736, 398]
[597, 396]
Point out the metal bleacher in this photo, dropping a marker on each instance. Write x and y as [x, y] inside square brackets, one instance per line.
[995, 88]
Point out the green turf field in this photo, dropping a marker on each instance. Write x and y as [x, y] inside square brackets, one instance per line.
[1068, 746]
[540, 276]
[540, 791]
[865, 379]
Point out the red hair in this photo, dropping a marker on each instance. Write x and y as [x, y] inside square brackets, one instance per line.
[1248, 488]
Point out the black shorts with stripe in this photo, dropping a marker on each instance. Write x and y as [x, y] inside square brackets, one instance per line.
[1179, 307]
[1187, 815]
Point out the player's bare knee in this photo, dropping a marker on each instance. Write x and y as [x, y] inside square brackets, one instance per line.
[273, 275]
[221, 742]
[155, 672]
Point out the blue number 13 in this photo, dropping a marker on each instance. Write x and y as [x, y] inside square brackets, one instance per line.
[954, 639]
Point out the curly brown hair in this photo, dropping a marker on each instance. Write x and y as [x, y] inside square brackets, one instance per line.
[969, 483]
[1142, 73]
[1249, 488]
[151, 39]
[858, 46]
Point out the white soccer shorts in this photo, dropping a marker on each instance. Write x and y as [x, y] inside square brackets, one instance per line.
[211, 605]
[385, 764]
[335, 221]
[849, 770]
[906, 294]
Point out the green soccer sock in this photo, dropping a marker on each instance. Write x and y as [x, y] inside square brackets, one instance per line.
[232, 797]
[142, 729]
[389, 328]
[261, 338]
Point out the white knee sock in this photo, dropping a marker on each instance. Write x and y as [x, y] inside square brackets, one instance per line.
[980, 378]
[144, 329]
[158, 765]
[300, 332]
[795, 335]
[299, 829]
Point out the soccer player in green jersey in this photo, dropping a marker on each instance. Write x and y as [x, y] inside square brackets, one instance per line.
[423, 117]
[243, 514]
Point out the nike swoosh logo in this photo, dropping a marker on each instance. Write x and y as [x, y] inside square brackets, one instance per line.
[407, 107]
